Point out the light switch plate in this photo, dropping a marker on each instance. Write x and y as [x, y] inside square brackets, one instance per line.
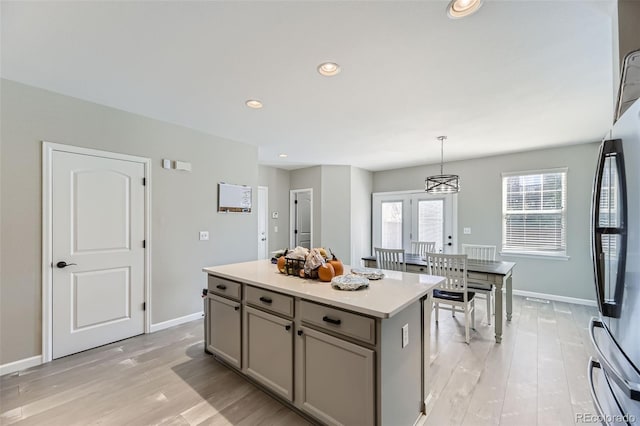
[275, 228]
[467, 230]
[166, 164]
[204, 235]
[405, 335]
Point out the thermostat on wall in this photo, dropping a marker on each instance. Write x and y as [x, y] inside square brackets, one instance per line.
[183, 165]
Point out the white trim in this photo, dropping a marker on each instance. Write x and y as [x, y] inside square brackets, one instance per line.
[176, 321]
[47, 256]
[556, 298]
[266, 219]
[539, 256]
[21, 364]
[292, 217]
[536, 172]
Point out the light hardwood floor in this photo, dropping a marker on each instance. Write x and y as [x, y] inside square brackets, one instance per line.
[536, 376]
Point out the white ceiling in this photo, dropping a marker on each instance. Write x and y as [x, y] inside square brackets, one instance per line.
[517, 75]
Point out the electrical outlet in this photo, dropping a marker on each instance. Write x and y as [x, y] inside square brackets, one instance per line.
[405, 335]
[204, 235]
[467, 230]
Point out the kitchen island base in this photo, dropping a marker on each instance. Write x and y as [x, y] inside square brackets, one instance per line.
[336, 365]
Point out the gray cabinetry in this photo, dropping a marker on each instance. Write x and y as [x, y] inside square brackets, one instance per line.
[269, 351]
[224, 328]
[337, 379]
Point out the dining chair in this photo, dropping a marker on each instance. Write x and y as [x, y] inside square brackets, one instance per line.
[423, 247]
[482, 252]
[453, 292]
[392, 259]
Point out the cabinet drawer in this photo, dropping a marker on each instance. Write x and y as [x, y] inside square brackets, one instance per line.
[477, 276]
[225, 287]
[339, 321]
[270, 300]
[417, 269]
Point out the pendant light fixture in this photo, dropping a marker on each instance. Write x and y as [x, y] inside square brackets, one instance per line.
[442, 184]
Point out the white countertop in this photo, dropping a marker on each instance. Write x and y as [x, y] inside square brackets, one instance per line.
[383, 299]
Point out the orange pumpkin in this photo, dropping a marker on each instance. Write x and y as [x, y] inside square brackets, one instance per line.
[338, 267]
[281, 262]
[326, 272]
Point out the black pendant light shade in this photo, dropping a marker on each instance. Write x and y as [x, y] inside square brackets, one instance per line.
[442, 184]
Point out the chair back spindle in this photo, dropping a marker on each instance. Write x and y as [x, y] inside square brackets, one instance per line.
[392, 259]
[423, 247]
[479, 252]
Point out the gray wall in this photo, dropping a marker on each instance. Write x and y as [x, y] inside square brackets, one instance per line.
[361, 189]
[480, 207]
[278, 182]
[335, 211]
[182, 203]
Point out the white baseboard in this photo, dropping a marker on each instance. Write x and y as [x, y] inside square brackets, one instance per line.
[176, 321]
[556, 298]
[21, 364]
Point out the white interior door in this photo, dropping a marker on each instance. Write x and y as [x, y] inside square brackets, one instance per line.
[302, 218]
[263, 220]
[98, 228]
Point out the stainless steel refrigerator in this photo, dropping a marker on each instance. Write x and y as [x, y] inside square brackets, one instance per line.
[614, 374]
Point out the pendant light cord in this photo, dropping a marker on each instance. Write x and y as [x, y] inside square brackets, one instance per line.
[442, 138]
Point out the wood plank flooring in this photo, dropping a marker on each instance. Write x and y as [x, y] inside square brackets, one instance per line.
[537, 376]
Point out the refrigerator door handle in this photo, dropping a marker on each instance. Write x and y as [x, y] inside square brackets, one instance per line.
[631, 389]
[596, 401]
[610, 149]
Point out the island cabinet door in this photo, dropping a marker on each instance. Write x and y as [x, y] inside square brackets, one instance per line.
[269, 351]
[338, 384]
[224, 329]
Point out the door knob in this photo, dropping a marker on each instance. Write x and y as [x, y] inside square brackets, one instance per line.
[63, 264]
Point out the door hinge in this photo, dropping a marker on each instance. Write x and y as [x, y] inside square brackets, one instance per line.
[295, 231]
[144, 243]
[144, 181]
[295, 201]
[144, 306]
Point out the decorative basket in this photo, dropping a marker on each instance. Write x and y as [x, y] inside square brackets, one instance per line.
[293, 266]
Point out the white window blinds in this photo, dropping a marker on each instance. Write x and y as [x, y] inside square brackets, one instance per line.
[534, 212]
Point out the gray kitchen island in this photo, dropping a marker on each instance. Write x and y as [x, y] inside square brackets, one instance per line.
[340, 357]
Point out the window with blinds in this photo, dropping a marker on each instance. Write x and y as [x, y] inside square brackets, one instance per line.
[534, 212]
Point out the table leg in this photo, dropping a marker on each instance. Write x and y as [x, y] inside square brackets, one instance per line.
[498, 308]
[509, 298]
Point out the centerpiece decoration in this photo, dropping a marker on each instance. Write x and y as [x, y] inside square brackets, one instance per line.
[310, 263]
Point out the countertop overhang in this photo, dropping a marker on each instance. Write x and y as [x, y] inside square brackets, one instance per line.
[382, 299]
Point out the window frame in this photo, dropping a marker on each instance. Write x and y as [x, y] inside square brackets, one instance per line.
[560, 254]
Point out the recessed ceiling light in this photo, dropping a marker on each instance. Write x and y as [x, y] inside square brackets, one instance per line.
[253, 103]
[329, 69]
[283, 155]
[461, 8]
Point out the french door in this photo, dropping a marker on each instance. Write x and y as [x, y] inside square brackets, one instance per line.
[402, 217]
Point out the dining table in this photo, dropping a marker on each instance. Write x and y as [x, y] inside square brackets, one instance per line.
[485, 273]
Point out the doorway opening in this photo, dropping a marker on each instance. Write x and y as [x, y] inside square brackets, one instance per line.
[301, 229]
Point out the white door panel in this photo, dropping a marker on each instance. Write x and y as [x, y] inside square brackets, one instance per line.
[97, 228]
[111, 209]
